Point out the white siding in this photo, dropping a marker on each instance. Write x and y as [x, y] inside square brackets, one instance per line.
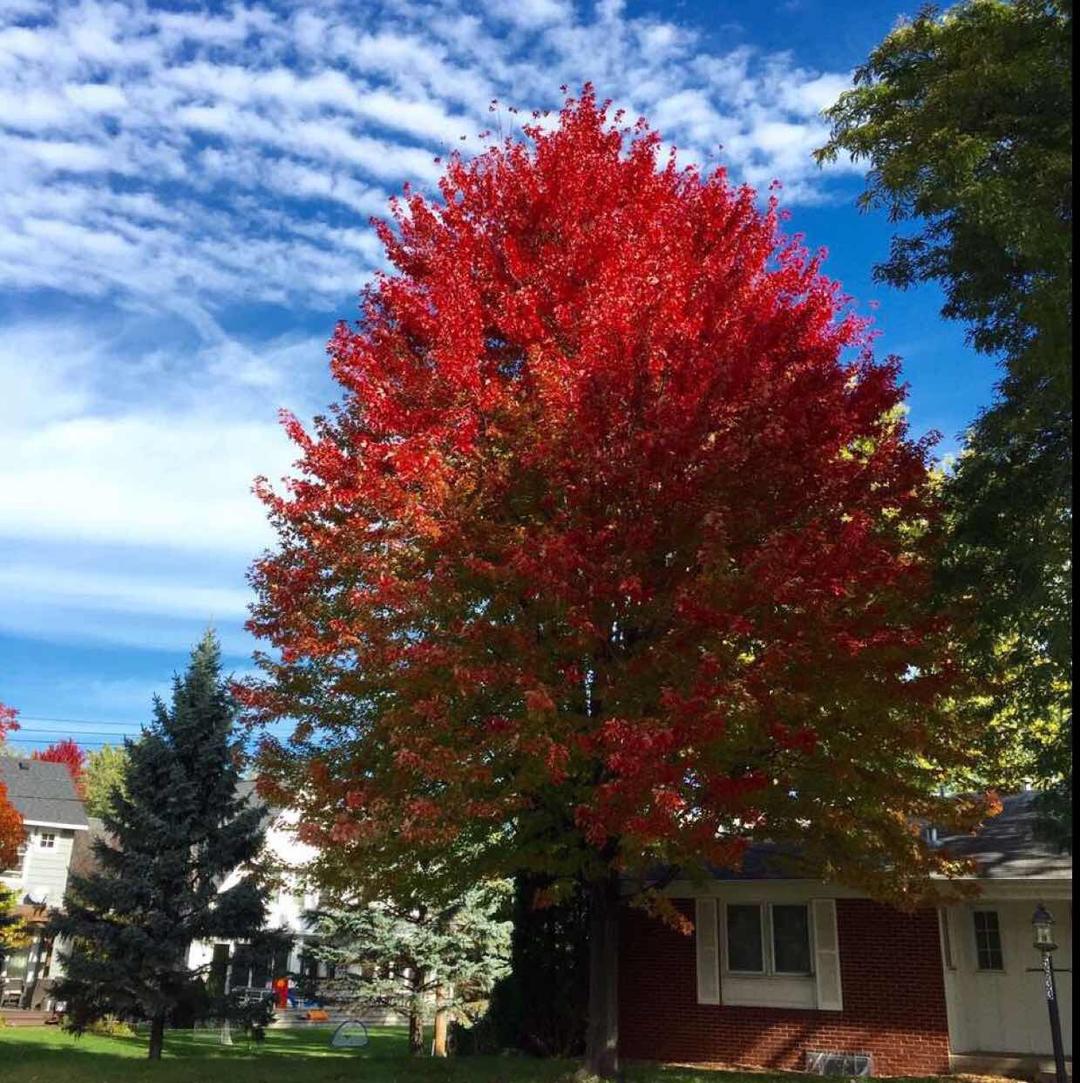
[45, 869]
[1005, 1011]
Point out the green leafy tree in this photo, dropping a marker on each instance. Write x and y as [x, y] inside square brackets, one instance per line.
[417, 956]
[171, 840]
[965, 120]
[102, 775]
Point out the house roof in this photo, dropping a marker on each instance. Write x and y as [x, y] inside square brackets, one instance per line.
[42, 792]
[1008, 845]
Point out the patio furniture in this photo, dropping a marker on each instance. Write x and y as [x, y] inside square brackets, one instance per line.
[11, 994]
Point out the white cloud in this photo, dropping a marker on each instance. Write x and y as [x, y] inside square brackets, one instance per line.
[229, 125]
[36, 583]
[169, 169]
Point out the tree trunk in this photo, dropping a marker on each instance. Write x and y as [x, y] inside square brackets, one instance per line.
[416, 1027]
[602, 1036]
[157, 1036]
[442, 1023]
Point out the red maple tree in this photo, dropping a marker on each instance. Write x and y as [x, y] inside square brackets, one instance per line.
[11, 825]
[615, 553]
[69, 754]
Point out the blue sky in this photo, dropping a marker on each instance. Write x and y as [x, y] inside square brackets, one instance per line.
[184, 198]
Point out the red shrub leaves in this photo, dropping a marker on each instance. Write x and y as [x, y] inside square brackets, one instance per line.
[11, 825]
[615, 551]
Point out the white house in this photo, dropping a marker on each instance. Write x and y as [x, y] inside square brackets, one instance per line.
[230, 964]
[993, 984]
[44, 796]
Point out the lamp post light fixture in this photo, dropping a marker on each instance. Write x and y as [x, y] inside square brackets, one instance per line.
[1042, 924]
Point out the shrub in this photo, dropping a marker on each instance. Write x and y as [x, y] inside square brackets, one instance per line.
[111, 1027]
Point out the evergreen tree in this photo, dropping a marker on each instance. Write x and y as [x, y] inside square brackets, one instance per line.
[411, 957]
[173, 835]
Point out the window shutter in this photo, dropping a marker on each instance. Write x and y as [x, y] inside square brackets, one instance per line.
[826, 956]
[708, 954]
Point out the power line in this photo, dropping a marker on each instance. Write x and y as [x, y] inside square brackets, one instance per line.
[70, 721]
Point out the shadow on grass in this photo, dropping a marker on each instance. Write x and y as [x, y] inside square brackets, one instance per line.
[303, 1042]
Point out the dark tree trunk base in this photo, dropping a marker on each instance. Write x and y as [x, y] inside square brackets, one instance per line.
[157, 1037]
[602, 1036]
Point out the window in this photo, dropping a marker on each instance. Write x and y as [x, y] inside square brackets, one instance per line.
[784, 928]
[988, 940]
[46, 840]
[791, 940]
[20, 858]
[745, 948]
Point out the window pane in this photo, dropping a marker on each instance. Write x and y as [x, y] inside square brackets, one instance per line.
[791, 940]
[988, 940]
[744, 938]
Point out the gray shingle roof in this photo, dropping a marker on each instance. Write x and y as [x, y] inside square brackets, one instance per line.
[1007, 845]
[42, 792]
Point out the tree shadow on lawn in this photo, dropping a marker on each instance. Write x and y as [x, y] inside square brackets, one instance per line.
[303, 1042]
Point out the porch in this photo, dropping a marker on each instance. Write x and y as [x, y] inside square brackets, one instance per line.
[1028, 1066]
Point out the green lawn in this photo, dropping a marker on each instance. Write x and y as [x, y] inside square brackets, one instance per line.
[48, 1055]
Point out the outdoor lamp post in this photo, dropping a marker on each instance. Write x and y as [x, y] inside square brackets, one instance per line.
[1042, 924]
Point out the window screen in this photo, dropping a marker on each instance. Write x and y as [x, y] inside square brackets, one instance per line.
[744, 942]
[791, 940]
[988, 940]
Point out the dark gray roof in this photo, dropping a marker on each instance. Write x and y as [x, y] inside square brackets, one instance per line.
[1008, 846]
[1005, 846]
[42, 792]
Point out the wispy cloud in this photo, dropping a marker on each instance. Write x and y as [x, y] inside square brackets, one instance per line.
[150, 151]
[184, 199]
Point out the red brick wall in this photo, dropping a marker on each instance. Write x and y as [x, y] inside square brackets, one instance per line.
[894, 999]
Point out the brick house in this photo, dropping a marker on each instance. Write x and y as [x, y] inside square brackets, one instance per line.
[782, 971]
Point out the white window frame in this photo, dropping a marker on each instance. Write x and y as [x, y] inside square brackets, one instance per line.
[979, 968]
[819, 990]
[47, 840]
[763, 927]
[768, 944]
[810, 946]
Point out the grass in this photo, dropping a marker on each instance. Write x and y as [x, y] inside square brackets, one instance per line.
[48, 1055]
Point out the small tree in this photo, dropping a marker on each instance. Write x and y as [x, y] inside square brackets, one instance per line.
[103, 775]
[171, 840]
[414, 956]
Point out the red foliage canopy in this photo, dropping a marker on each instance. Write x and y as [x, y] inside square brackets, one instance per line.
[69, 754]
[615, 551]
[11, 825]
